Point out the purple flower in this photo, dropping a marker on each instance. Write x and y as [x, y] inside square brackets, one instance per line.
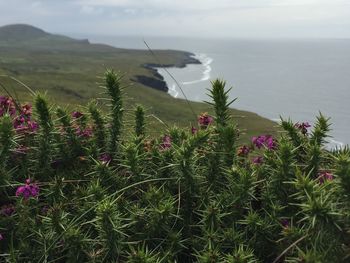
[270, 143]
[285, 223]
[7, 210]
[194, 130]
[303, 127]
[243, 151]
[258, 160]
[27, 110]
[259, 141]
[205, 120]
[264, 141]
[166, 144]
[325, 176]
[86, 133]
[105, 158]
[77, 114]
[28, 190]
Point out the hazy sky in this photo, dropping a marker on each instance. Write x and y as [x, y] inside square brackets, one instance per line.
[217, 18]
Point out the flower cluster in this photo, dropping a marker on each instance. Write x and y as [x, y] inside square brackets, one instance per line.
[7, 210]
[205, 120]
[303, 127]
[264, 141]
[243, 151]
[28, 190]
[105, 158]
[325, 176]
[258, 160]
[84, 133]
[166, 143]
[7, 105]
[23, 122]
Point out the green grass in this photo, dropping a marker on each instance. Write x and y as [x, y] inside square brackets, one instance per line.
[68, 70]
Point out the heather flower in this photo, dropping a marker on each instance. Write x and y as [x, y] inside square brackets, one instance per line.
[258, 160]
[7, 210]
[243, 151]
[285, 223]
[77, 114]
[166, 144]
[28, 190]
[27, 110]
[105, 158]
[303, 127]
[325, 176]
[270, 143]
[205, 120]
[194, 130]
[86, 133]
[264, 140]
[259, 141]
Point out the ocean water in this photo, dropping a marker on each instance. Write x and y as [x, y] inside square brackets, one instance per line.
[292, 78]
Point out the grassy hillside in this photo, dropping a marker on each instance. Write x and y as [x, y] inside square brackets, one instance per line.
[68, 69]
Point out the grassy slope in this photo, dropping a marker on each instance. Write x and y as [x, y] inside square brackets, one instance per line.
[69, 71]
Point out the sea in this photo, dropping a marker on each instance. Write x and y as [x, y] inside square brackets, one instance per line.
[275, 78]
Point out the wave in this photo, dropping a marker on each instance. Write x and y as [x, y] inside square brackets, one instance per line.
[172, 91]
[206, 61]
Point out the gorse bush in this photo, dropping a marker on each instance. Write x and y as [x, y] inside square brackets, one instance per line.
[74, 189]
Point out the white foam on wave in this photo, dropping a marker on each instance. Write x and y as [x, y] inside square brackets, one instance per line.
[206, 61]
[172, 91]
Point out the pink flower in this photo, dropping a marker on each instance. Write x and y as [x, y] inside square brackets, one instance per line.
[205, 120]
[7, 210]
[28, 190]
[325, 176]
[243, 151]
[27, 110]
[264, 141]
[77, 114]
[105, 158]
[166, 144]
[194, 130]
[258, 160]
[303, 127]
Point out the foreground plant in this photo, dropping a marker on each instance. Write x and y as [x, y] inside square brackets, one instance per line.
[76, 187]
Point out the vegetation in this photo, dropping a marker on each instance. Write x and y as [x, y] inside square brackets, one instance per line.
[67, 68]
[74, 190]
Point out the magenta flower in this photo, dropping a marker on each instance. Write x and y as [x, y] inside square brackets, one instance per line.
[105, 158]
[258, 160]
[243, 151]
[205, 120]
[325, 176]
[166, 144]
[259, 141]
[285, 223]
[7, 105]
[28, 190]
[303, 127]
[7, 210]
[27, 110]
[77, 114]
[86, 133]
[264, 141]
[194, 130]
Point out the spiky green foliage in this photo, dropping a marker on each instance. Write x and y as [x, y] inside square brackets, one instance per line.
[76, 189]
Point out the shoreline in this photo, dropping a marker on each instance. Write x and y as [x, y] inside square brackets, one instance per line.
[156, 80]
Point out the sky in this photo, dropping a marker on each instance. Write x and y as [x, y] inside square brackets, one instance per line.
[197, 18]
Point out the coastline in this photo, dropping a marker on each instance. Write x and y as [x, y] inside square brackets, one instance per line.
[156, 80]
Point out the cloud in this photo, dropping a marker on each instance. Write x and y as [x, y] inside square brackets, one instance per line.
[224, 18]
